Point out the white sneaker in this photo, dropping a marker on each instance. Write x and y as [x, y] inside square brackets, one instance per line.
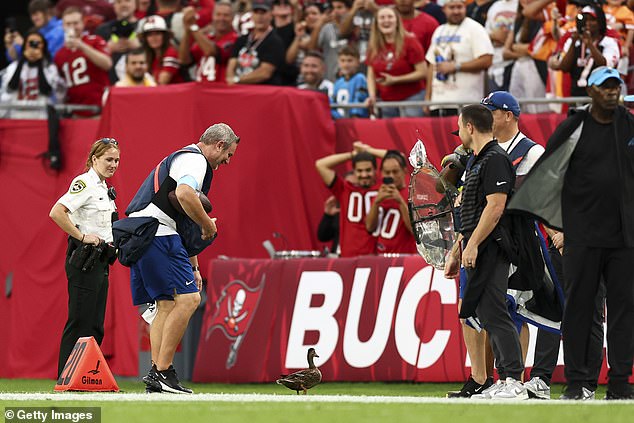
[490, 391]
[586, 394]
[512, 390]
[537, 388]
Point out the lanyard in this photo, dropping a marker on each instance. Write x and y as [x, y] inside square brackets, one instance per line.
[251, 46]
[512, 141]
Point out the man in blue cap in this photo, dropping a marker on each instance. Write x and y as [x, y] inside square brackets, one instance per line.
[523, 153]
[584, 185]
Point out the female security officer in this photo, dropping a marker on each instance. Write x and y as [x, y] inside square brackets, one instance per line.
[85, 213]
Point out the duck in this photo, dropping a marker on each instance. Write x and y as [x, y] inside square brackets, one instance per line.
[303, 380]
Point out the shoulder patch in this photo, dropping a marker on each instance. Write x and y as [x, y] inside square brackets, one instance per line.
[77, 187]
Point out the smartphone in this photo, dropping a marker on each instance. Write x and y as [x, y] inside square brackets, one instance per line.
[388, 180]
[69, 34]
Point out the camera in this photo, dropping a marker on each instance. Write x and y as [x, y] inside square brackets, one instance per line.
[581, 23]
[11, 24]
[388, 180]
[123, 28]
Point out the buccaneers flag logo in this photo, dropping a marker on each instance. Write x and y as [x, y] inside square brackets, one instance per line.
[234, 312]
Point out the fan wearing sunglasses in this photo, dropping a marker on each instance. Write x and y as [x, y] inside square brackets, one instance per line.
[31, 80]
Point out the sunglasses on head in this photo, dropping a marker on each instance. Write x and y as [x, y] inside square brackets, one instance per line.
[109, 141]
[35, 44]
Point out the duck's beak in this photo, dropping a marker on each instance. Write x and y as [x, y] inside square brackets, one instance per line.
[316, 355]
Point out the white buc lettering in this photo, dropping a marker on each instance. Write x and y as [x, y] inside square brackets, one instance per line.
[321, 319]
[364, 354]
[408, 344]
[75, 72]
[393, 216]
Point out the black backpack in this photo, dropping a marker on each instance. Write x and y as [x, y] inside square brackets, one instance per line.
[518, 238]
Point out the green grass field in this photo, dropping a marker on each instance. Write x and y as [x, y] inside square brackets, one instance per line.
[362, 402]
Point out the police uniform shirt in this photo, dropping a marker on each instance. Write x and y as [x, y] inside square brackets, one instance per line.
[89, 205]
[185, 164]
[490, 173]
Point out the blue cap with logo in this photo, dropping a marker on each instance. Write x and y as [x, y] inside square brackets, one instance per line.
[602, 74]
[501, 100]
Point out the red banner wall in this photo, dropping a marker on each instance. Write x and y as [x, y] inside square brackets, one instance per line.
[271, 185]
[369, 319]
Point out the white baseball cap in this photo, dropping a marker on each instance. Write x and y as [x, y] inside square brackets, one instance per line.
[154, 23]
[442, 3]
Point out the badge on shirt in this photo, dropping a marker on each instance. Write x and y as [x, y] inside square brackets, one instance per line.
[77, 187]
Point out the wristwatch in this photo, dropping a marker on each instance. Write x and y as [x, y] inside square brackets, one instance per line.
[194, 28]
[236, 79]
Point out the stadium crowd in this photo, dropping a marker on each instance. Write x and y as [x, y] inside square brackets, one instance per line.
[368, 51]
[360, 51]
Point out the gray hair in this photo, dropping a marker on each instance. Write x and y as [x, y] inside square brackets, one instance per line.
[219, 132]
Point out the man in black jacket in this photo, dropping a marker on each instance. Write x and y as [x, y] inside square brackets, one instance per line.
[584, 184]
[488, 183]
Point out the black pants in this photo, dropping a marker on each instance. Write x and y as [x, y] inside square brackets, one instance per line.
[547, 343]
[583, 269]
[87, 295]
[493, 266]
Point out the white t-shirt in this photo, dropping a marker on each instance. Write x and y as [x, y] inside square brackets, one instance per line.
[530, 158]
[185, 164]
[459, 43]
[501, 14]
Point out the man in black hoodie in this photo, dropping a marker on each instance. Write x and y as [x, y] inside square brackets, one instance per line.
[584, 184]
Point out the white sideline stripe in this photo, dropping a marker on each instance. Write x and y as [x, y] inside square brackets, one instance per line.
[164, 397]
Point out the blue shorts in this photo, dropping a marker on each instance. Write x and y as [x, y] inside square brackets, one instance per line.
[463, 282]
[162, 272]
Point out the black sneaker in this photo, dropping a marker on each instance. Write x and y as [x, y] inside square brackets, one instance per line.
[471, 387]
[151, 381]
[169, 382]
[610, 396]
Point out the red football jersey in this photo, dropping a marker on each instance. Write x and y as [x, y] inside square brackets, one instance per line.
[85, 81]
[169, 63]
[387, 62]
[423, 27]
[355, 202]
[393, 236]
[213, 68]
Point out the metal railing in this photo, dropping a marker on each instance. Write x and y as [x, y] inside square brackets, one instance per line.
[62, 108]
[70, 108]
[455, 104]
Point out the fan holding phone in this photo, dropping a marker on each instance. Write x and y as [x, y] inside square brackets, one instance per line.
[389, 217]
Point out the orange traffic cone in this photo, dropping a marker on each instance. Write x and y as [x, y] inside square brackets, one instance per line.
[86, 369]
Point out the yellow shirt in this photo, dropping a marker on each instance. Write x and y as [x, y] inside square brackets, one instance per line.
[148, 81]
